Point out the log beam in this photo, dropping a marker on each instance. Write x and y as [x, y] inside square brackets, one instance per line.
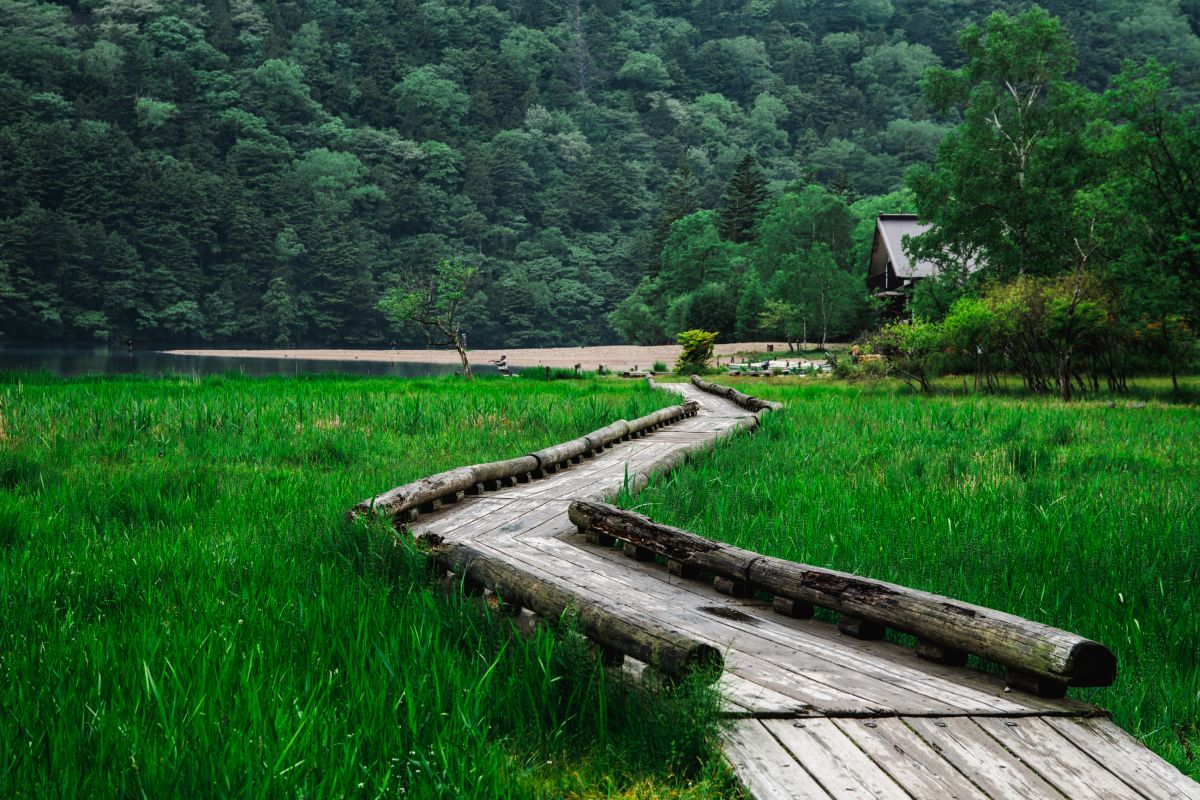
[675, 654]
[1028, 647]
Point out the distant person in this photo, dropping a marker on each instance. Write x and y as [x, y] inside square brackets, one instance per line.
[393, 344]
[129, 345]
[502, 364]
[855, 352]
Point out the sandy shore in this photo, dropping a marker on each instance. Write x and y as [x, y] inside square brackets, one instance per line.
[614, 357]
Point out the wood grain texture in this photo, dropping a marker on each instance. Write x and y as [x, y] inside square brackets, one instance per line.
[879, 721]
[841, 767]
[868, 605]
[768, 771]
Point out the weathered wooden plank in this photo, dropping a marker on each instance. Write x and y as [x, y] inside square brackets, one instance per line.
[1056, 759]
[1008, 639]
[674, 653]
[535, 517]
[834, 760]
[805, 676]
[981, 758]
[897, 665]
[605, 472]
[768, 771]
[1127, 758]
[477, 526]
[911, 762]
[809, 691]
[464, 514]
[754, 698]
[881, 681]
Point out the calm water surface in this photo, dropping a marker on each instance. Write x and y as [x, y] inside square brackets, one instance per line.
[117, 360]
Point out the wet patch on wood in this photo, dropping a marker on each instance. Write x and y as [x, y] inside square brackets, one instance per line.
[725, 612]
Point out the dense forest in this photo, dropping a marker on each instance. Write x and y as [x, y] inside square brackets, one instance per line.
[262, 171]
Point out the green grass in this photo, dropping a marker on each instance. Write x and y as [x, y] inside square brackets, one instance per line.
[1083, 516]
[186, 614]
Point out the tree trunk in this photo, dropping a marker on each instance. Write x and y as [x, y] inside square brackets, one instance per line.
[461, 347]
[1064, 377]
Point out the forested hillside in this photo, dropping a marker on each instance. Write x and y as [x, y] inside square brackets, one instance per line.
[238, 170]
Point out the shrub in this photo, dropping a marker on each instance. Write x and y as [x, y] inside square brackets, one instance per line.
[973, 331]
[697, 351]
[912, 350]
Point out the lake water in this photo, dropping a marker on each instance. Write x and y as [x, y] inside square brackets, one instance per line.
[107, 361]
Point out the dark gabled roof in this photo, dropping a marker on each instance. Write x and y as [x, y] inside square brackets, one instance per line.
[891, 230]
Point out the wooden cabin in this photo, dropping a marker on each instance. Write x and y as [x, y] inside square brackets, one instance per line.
[891, 274]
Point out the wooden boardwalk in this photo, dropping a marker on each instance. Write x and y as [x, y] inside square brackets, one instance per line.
[819, 714]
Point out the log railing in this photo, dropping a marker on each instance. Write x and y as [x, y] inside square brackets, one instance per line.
[668, 653]
[671, 654]
[733, 395]
[1037, 657]
[403, 503]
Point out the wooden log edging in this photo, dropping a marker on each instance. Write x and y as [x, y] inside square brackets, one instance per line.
[403, 503]
[670, 652]
[1039, 658]
[734, 396]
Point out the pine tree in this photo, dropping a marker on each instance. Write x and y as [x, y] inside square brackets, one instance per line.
[749, 308]
[280, 319]
[680, 198]
[744, 198]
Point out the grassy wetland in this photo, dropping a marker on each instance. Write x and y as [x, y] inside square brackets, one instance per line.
[186, 614]
[1085, 516]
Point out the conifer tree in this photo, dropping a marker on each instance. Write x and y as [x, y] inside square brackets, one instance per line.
[744, 198]
[680, 199]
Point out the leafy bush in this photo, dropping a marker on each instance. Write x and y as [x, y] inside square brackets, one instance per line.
[912, 350]
[1060, 334]
[697, 351]
[972, 330]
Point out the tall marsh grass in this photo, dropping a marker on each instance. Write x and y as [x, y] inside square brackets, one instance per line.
[185, 614]
[1084, 516]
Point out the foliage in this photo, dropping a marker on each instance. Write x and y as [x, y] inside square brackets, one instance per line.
[1059, 334]
[436, 308]
[744, 199]
[799, 258]
[973, 330]
[784, 320]
[1006, 176]
[181, 560]
[1080, 516]
[1043, 178]
[697, 351]
[152, 155]
[912, 350]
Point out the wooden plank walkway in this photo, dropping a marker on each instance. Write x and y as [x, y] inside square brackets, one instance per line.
[819, 714]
